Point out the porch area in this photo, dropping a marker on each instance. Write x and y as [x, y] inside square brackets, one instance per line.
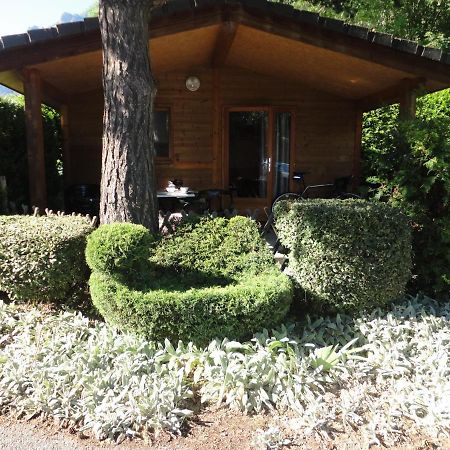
[248, 95]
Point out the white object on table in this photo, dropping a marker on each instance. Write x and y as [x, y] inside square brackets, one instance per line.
[176, 194]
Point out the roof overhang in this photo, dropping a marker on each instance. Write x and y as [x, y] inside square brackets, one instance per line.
[273, 39]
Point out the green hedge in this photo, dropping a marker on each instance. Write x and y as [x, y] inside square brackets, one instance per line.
[42, 258]
[346, 255]
[217, 248]
[215, 278]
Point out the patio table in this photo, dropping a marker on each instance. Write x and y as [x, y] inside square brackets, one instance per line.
[170, 202]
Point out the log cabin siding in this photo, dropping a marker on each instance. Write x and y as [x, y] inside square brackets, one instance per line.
[325, 126]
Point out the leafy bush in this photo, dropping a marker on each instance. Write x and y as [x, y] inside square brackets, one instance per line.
[346, 255]
[212, 278]
[42, 258]
[409, 163]
[215, 247]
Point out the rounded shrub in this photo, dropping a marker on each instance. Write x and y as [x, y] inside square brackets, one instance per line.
[119, 249]
[42, 258]
[214, 278]
[346, 255]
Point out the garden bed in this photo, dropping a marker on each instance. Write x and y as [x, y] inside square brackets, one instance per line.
[111, 385]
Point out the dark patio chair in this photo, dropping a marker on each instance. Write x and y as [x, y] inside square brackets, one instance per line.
[83, 199]
[211, 200]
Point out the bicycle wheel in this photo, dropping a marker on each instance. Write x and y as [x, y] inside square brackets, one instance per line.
[289, 196]
[348, 195]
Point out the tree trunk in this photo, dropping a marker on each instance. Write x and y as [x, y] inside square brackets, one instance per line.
[128, 187]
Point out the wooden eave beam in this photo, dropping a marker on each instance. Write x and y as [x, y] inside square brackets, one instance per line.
[41, 52]
[393, 94]
[224, 42]
[52, 96]
[12, 80]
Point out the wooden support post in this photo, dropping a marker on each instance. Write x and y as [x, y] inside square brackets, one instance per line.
[35, 139]
[65, 145]
[3, 195]
[216, 138]
[408, 104]
[357, 156]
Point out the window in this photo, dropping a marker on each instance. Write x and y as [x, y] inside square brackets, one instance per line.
[161, 133]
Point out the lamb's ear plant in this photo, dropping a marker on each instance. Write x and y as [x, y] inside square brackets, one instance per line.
[374, 372]
[325, 358]
[270, 439]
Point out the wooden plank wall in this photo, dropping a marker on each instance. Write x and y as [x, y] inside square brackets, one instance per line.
[192, 128]
[325, 128]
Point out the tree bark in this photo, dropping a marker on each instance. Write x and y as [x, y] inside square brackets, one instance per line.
[128, 186]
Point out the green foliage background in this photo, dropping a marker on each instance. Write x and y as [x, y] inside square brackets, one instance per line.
[13, 151]
[409, 163]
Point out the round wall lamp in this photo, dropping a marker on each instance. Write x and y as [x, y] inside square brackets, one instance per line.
[192, 83]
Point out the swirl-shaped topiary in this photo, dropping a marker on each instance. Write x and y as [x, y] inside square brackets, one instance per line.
[215, 278]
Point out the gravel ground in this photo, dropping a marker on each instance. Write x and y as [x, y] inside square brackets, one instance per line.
[35, 435]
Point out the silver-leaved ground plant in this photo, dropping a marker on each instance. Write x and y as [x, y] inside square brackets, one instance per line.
[372, 372]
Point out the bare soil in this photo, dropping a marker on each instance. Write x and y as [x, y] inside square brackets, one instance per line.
[219, 429]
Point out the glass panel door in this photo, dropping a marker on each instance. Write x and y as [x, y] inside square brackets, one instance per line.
[282, 152]
[249, 158]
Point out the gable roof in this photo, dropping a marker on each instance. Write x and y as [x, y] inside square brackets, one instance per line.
[328, 44]
[183, 7]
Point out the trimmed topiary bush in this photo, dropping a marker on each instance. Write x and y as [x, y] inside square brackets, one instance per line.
[121, 249]
[215, 278]
[346, 255]
[42, 258]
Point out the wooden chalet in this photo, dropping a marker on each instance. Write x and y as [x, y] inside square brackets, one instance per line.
[249, 92]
